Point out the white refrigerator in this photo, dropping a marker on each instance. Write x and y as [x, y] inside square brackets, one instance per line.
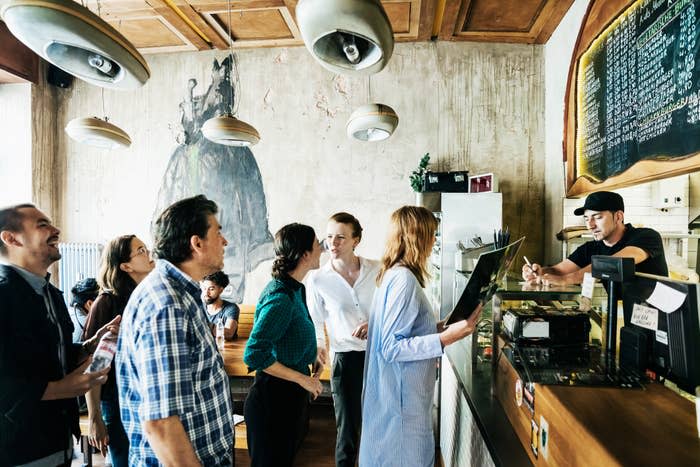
[463, 216]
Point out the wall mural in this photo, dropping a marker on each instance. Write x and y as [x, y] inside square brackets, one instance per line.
[228, 175]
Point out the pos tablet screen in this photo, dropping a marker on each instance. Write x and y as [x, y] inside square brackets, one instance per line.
[489, 271]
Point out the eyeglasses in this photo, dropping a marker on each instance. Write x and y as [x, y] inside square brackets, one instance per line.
[142, 250]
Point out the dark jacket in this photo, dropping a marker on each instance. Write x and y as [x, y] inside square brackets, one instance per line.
[29, 427]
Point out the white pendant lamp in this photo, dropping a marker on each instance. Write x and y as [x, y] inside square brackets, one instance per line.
[346, 36]
[230, 131]
[227, 129]
[78, 41]
[98, 133]
[372, 122]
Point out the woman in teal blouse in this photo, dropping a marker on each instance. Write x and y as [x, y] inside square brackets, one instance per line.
[280, 349]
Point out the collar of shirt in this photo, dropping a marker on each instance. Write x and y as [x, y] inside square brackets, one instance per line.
[328, 269]
[169, 270]
[36, 282]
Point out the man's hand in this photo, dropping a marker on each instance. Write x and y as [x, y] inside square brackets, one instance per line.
[113, 326]
[76, 383]
[360, 331]
[532, 273]
[322, 355]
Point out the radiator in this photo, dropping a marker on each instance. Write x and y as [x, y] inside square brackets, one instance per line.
[78, 261]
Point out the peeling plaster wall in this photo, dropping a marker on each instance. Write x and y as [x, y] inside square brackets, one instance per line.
[472, 106]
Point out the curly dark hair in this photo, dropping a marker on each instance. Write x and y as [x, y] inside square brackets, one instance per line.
[178, 223]
[291, 242]
[219, 278]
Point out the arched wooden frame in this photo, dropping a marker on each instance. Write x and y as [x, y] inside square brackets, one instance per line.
[600, 14]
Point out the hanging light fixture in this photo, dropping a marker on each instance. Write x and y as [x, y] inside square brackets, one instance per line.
[97, 132]
[372, 122]
[346, 36]
[227, 129]
[78, 41]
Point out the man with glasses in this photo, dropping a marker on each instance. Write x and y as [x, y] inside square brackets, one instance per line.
[41, 370]
[174, 392]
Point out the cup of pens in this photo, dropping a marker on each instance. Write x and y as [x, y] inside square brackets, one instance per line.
[501, 238]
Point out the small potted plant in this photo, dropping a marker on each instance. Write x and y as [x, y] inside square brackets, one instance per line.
[429, 200]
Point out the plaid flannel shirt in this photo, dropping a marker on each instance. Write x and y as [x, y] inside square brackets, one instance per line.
[168, 364]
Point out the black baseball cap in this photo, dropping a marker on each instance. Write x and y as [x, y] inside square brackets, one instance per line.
[602, 201]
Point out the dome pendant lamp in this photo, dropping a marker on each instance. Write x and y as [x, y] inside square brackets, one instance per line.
[372, 122]
[99, 133]
[227, 129]
[346, 36]
[78, 41]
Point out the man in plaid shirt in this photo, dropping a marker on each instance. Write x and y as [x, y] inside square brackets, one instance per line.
[173, 389]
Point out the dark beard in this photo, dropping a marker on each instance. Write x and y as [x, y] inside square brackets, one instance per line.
[210, 301]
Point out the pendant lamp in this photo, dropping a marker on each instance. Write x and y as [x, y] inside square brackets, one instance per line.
[346, 36]
[227, 129]
[372, 122]
[78, 41]
[98, 133]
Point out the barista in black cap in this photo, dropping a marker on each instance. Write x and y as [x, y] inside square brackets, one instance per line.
[604, 215]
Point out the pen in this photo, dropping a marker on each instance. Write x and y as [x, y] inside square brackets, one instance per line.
[527, 261]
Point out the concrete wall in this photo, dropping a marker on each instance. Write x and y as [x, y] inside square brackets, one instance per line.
[558, 52]
[472, 106]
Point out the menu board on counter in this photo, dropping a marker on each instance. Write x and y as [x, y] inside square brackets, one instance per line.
[638, 90]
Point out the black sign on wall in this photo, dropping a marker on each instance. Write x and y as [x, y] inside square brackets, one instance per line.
[638, 89]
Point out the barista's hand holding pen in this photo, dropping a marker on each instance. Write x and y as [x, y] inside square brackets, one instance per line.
[533, 273]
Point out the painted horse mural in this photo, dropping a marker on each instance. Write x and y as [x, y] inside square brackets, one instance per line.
[226, 174]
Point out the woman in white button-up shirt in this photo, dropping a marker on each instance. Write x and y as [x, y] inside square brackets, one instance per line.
[339, 297]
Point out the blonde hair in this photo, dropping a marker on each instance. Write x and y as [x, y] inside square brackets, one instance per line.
[410, 239]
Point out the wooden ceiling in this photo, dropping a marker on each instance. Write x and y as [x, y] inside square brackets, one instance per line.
[181, 25]
[159, 26]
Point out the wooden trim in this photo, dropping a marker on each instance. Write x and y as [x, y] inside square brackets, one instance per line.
[217, 40]
[449, 19]
[291, 6]
[558, 10]
[427, 17]
[291, 22]
[162, 8]
[16, 59]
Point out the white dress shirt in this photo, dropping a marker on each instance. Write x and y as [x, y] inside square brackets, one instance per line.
[333, 301]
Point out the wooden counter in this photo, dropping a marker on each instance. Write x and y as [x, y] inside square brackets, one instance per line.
[596, 426]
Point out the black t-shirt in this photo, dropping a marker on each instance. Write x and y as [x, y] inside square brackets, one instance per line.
[647, 239]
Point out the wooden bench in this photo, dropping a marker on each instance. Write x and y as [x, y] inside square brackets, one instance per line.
[85, 447]
[232, 352]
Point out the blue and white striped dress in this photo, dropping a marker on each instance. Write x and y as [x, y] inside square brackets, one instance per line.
[399, 380]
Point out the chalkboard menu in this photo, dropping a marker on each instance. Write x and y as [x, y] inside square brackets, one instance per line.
[638, 89]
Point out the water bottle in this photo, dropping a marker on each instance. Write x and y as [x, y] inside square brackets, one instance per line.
[220, 334]
[104, 353]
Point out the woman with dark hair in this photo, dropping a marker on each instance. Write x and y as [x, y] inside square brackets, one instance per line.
[340, 296]
[403, 344]
[281, 346]
[125, 262]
